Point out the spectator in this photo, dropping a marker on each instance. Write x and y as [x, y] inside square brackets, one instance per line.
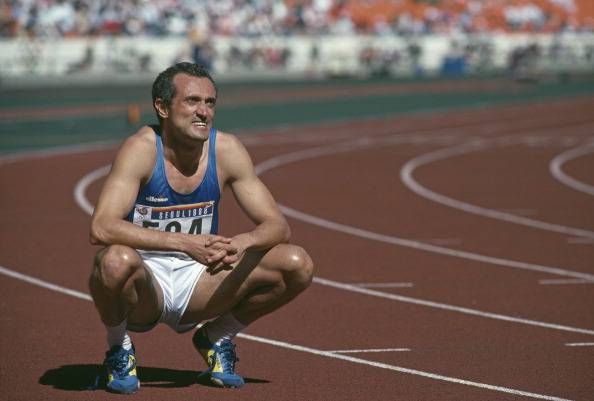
[265, 17]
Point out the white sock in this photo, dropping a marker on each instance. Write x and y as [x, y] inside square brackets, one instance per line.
[224, 327]
[117, 335]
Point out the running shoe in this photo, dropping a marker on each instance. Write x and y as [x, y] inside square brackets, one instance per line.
[220, 360]
[120, 370]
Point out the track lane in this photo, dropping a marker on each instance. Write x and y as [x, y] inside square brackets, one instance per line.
[379, 333]
[445, 348]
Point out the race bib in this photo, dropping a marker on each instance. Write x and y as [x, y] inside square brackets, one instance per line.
[190, 219]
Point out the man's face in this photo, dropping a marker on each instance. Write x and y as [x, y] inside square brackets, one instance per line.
[192, 110]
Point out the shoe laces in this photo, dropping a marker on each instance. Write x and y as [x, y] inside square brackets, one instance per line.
[227, 356]
[117, 361]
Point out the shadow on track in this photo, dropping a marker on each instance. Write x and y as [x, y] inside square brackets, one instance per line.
[82, 377]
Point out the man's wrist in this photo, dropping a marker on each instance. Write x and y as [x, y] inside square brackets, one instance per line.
[177, 243]
[245, 240]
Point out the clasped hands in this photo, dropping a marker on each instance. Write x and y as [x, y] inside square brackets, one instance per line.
[222, 251]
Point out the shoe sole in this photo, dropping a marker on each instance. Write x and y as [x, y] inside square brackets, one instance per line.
[219, 383]
[113, 391]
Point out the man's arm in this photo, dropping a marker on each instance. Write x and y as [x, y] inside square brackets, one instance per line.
[253, 197]
[132, 166]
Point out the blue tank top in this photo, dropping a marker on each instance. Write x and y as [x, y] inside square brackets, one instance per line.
[160, 207]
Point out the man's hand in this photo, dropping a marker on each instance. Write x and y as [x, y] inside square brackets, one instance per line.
[235, 250]
[218, 249]
[210, 249]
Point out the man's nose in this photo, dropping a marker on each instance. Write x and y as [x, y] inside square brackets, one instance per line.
[201, 109]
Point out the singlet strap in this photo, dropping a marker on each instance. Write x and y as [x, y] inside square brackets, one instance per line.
[160, 164]
[212, 155]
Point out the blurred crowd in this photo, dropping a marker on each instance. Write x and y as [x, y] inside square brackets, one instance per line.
[51, 18]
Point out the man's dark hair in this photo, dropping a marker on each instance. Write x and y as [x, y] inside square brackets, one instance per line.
[163, 86]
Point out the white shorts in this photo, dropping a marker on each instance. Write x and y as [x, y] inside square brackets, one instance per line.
[177, 278]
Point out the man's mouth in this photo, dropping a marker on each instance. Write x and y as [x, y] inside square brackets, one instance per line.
[199, 124]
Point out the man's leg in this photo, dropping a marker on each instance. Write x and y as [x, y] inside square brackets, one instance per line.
[283, 273]
[261, 283]
[124, 291]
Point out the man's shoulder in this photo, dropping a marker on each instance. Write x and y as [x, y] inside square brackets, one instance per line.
[138, 151]
[232, 156]
[143, 140]
[227, 139]
[228, 144]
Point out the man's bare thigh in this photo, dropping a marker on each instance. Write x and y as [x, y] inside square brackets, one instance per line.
[149, 308]
[219, 291]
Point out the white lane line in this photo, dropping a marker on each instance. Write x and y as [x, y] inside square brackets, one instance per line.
[81, 187]
[359, 144]
[362, 233]
[350, 146]
[451, 308]
[406, 175]
[565, 281]
[556, 168]
[300, 348]
[580, 344]
[384, 285]
[402, 370]
[363, 351]
[44, 284]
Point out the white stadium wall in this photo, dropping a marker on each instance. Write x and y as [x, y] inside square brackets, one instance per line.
[300, 56]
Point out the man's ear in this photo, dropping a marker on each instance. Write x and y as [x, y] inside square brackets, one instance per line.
[161, 108]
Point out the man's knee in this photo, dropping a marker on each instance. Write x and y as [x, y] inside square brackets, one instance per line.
[300, 268]
[114, 266]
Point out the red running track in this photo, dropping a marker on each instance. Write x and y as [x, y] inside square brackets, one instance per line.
[463, 306]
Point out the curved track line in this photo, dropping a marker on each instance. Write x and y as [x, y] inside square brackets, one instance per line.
[406, 175]
[81, 186]
[300, 348]
[556, 168]
[358, 232]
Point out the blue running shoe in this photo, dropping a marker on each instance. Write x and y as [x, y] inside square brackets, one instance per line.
[220, 360]
[120, 367]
